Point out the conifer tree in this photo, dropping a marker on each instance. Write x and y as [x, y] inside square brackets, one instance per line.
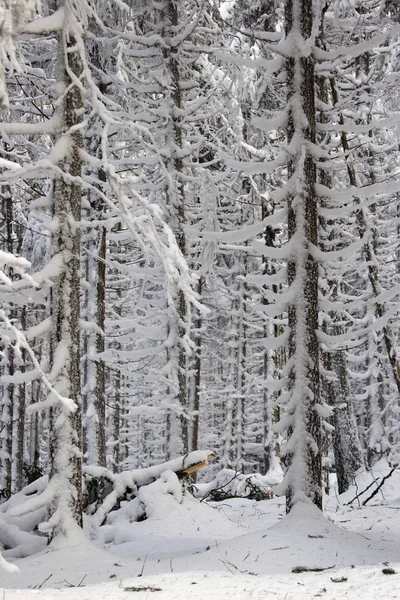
[66, 419]
[303, 451]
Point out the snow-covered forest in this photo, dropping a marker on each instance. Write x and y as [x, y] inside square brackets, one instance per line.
[199, 274]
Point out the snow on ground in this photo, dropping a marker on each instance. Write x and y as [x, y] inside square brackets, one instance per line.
[237, 549]
[303, 538]
[362, 583]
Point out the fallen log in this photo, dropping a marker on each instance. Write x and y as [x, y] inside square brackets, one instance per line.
[104, 491]
[195, 467]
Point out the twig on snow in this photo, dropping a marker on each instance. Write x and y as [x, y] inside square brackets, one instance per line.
[143, 565]
[147, 588]
[38, 587]
[309, 569]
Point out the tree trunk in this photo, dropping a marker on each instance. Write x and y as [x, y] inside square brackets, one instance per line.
[197, 375]
[176, 206]
[100, 393]
[65, 294]
[21, 414]
[303, 454]
[270, 359]
[95, 416]
[8, 360]
[117, 416]
[346, 443]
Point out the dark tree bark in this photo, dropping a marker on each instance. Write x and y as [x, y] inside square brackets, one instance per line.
[100, 393]
[176, 205]
[66, 431]
[197, 374]
[94, 398]
[303, 455]
[21, 414]
[7, 408]
[346, 444]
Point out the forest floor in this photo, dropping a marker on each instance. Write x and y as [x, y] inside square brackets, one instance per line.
[236, 549]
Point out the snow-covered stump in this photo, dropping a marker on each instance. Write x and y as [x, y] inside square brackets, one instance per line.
[303, 456]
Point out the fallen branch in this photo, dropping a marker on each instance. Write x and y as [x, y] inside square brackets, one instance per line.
[39, 585]
[221, 487]
[147, 588]
[192, 468]
[311, 569]
[104, 490]
[230, 483]
[363, 492]
[379, 486]
[143, 565]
